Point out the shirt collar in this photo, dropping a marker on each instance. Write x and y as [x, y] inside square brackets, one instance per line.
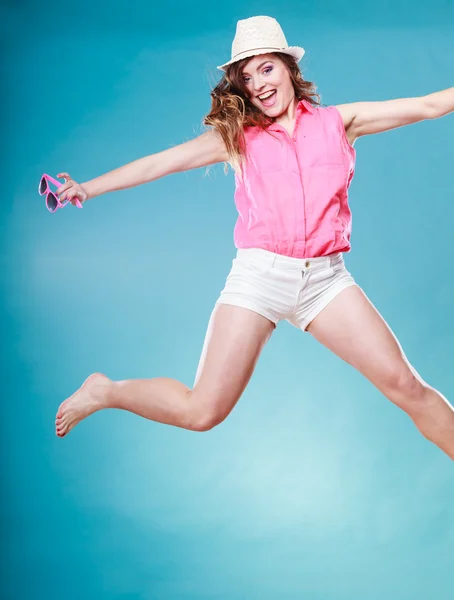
[307, 105]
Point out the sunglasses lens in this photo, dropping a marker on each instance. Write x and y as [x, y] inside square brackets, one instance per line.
[52, 202]
[42, 185]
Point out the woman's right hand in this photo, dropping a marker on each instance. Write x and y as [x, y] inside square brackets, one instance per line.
[71, 190]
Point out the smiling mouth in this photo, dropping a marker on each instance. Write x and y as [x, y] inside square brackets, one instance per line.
[268, 99]
[266, 95]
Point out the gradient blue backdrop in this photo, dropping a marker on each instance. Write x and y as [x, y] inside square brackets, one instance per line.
[315, 487]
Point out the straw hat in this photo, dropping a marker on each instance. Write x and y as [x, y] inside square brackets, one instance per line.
[260, 35]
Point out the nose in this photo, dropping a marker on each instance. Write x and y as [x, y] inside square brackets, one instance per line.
[258, 85]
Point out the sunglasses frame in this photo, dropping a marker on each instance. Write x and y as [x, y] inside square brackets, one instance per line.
[48, 192]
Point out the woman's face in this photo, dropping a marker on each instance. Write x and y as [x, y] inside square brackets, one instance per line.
[268, 84]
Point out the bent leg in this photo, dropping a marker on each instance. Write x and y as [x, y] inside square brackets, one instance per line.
[233, 343]
[353, 329]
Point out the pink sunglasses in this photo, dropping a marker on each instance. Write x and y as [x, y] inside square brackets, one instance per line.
[52, 201]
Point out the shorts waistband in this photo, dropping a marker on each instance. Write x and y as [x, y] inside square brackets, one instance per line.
[271, 259]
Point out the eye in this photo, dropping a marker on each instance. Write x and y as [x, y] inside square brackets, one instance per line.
[246, 79]
[268, 70]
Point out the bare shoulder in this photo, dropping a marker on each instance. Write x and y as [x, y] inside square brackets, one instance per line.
[211, 143]
[348, 113]
[202, 151]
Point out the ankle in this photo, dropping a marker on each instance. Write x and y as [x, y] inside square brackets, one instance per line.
[101, 390]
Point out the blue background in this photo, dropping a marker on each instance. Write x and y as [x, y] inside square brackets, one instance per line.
[316, 486]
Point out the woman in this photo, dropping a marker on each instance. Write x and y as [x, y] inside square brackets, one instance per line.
[294, 162]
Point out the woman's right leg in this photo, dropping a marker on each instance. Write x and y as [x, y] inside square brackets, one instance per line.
[233, 343]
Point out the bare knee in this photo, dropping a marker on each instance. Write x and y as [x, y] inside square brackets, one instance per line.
[207, 421]
[206, 412]
[404, 388]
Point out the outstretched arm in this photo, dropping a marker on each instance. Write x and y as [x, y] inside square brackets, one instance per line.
[364, 118]
[202, 151]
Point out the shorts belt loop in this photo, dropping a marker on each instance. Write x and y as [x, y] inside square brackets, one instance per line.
[274, 260]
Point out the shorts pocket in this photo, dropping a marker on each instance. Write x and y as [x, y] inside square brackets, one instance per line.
[322, 275]
[250, 265]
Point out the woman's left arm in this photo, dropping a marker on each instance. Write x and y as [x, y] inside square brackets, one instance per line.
[365, 118]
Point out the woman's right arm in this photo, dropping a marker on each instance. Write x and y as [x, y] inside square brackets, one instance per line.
[202, 151]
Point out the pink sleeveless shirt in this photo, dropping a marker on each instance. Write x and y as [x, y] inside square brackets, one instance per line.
[293, 196]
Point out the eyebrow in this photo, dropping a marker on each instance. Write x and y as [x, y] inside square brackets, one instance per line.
[260, 65]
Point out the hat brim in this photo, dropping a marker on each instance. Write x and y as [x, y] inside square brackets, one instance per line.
[296, 51]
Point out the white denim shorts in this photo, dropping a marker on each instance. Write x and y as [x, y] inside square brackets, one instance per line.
[282, 287]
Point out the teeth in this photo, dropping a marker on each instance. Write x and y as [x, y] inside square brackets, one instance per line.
[267, 95]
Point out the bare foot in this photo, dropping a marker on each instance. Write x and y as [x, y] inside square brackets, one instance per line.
[89, 398]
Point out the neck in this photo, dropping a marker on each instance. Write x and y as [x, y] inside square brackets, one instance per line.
[289, 114]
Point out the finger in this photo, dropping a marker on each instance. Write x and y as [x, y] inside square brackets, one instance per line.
[73, 196]
[65, 176]
[64, 187]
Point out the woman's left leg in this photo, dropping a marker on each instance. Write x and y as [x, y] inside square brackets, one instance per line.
[353, 329]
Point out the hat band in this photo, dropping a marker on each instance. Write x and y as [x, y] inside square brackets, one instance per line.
[254, 49]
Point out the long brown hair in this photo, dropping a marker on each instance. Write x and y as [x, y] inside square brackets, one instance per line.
[232, 111]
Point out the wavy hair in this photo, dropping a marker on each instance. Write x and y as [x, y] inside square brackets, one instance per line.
[232, 111]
